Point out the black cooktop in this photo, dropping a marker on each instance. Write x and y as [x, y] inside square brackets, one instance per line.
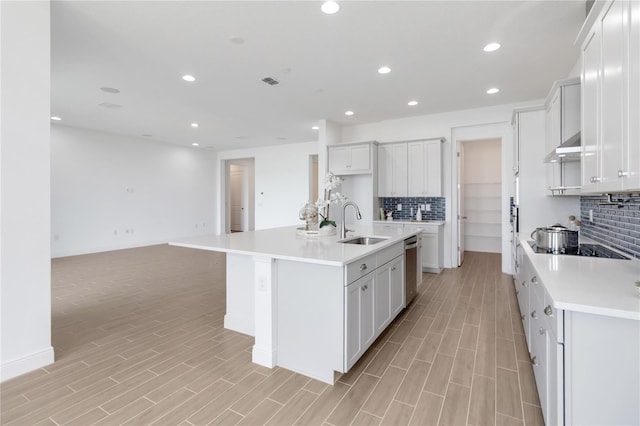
[591, 250]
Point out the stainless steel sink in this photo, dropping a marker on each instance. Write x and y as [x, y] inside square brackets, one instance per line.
[363, 241]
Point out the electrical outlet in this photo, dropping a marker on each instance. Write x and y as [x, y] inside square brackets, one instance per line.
[427, 207]
[399, 207]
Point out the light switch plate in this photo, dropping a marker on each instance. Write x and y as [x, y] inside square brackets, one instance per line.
[399, 207]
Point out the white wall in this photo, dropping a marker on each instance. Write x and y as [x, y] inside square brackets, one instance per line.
[281, 183]
[25, 283]
[111, 192]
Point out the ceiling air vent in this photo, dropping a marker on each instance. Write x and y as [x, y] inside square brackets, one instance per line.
[270, 81]
[110, 105]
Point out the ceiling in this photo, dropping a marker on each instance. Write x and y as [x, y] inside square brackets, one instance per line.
[325, 64]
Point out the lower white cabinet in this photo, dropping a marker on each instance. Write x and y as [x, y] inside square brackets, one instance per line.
[372, 300]
[585, 365]
[359, 315]
[388, 294]
[432, 246]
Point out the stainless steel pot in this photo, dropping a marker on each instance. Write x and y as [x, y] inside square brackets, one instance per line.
[556, 239]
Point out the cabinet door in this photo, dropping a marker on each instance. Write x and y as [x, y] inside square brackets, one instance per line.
[339, 158]
[385, 171]
[382, 297]
[415, 169]
[554, 414]
[433, 165]
[553, 121]
[632, 181]
[613, 72]
[570, 111]
[590, 111]
[400, 170]
[360, 157]
[397, 286]
[539, 350]
[359, 327]
[430, 250]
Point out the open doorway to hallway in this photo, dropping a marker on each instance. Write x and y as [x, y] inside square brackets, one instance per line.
[240, 195]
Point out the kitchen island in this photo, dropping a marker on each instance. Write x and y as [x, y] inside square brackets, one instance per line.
[313, 304]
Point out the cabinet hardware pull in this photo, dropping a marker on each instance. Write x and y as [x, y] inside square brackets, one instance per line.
[541, 331]
[534, 315]
[524, 283]
[517, 292]
[522, 317]
[363, 266]
[622, 173]
[534, 361]
[534, 279]
[393, 269]
[548, 311]
[364, 287]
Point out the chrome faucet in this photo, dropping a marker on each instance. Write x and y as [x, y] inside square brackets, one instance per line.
[343, 228]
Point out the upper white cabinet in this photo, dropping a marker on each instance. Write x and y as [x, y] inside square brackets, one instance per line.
[412, 169]
[610, 74]
[424, 169]
[562, 119]
[351, 159]
[392, 170]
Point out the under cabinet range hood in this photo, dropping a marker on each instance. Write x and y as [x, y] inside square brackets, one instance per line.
[569, 150]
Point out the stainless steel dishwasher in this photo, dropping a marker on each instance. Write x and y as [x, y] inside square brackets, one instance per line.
[411, 268]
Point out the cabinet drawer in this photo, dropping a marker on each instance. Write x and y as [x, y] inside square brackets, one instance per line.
[360, 268]
[390, 253]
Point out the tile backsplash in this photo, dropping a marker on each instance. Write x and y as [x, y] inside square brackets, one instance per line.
[616, 225]
[410, 204]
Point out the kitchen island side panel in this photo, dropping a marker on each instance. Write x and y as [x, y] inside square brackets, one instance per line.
[240, 315]
[310, 319]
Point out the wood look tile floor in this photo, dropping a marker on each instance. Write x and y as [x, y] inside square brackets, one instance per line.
[139, 340]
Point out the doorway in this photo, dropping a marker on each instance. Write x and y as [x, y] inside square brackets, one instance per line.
[480, 196]
[240, 195]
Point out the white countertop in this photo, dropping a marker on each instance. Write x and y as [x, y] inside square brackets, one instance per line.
[411, 222]
[591, 285]
[284, 243]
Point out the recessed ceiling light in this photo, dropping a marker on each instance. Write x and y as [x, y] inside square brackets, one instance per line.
[384, 70]
[55, 118]
[348, 113]
[194, 125]
[330, 7]
[493, 91]
[195, 144]
[315, 128]
[188, 78]
[491, 47]
[146, 135]
[412, 103]
[110, 89]
[237, 40]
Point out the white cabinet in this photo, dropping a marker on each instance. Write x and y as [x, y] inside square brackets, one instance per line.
[432, 247]
[351, 159]
[392, 170]
[562, 119]
[359, 324]
[611, 160]
[373, 296]
[424, 169]
[388, 293]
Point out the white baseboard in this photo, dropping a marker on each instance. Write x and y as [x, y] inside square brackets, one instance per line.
[241, 325]
[16, 367]
[264, 357]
